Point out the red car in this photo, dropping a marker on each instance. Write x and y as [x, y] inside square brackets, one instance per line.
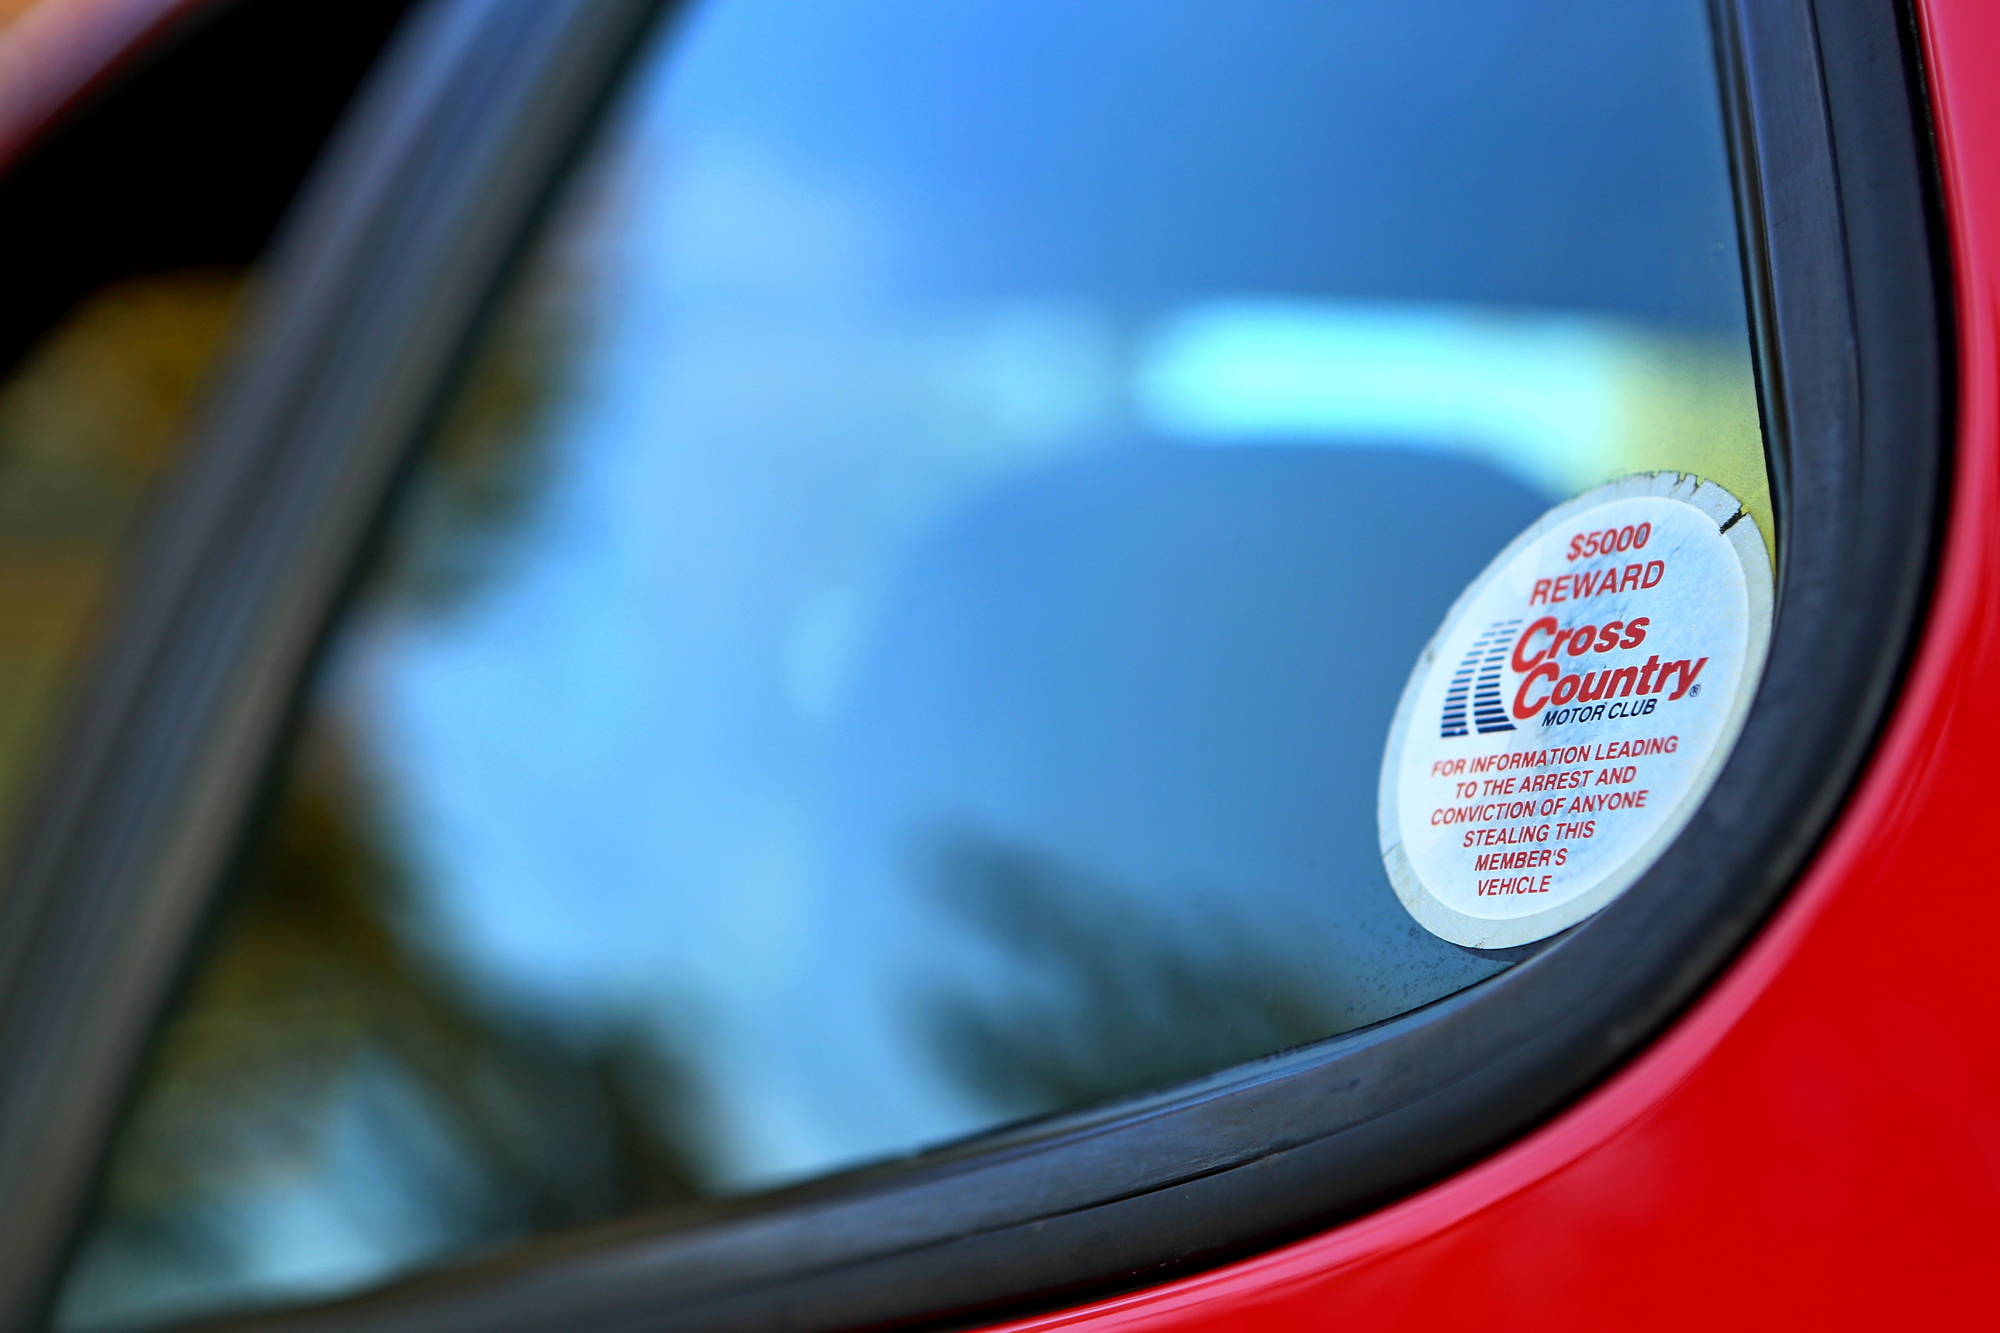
[817, 666]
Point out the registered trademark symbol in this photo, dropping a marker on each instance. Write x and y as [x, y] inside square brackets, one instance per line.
[1694, 689]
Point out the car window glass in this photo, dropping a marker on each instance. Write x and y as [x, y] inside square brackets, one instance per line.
[898, 630]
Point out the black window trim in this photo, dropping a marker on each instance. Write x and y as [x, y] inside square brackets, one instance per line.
[370, 304]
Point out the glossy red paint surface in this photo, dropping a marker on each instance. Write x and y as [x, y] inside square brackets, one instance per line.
[1818, 1143]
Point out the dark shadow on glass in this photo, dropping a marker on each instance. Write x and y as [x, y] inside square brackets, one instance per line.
[1080, 1020]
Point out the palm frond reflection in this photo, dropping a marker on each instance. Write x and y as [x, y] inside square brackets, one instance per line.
[1079, 1019]
[328, 1090]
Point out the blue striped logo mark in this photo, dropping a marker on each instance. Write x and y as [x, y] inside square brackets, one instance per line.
[1478, 675]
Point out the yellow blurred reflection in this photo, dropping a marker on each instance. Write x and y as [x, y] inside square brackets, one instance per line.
[88, 421]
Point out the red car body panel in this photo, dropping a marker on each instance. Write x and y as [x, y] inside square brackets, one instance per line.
[1817, 1143]
[59, 51]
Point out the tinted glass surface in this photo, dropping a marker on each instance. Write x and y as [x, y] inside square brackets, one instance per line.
[898, 633]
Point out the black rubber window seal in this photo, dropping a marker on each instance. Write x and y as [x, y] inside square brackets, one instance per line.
[370, 308]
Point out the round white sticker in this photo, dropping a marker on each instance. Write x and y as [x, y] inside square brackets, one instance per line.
[1562, 725]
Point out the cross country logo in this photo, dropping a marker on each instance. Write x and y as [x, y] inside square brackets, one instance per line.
[1478, 676]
